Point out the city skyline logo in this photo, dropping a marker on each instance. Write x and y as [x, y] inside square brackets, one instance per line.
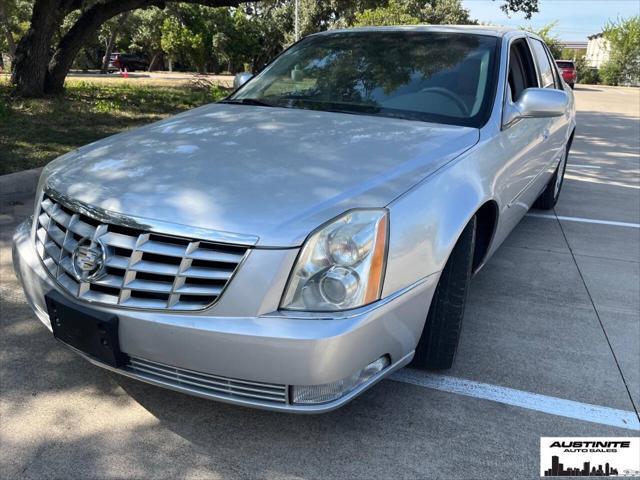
[590, 456]
[560, 470]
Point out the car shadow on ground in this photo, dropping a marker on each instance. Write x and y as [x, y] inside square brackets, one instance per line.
[586, 88]
[606, 144]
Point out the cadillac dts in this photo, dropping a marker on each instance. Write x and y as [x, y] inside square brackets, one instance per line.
[290, 246]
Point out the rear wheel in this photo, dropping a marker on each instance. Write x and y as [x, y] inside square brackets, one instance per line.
[549, 197]
[439, 341]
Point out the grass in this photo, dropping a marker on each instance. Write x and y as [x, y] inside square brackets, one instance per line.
[35, 131]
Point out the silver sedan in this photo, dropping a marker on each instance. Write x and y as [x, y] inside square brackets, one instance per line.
[292, 245]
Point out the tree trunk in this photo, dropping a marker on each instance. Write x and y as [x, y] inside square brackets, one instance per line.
[112, 40]
[109, 49]
[32, 53]
[87, 25]
[37, 72]
[157, 62]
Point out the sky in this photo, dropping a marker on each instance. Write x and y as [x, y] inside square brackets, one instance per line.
[576, 18]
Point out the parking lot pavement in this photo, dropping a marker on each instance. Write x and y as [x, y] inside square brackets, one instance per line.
[555, 313]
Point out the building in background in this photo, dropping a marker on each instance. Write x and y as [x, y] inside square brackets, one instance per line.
[576, 49]
[598, 50]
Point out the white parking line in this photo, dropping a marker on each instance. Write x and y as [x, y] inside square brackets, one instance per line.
[583, 220]
[531, 401]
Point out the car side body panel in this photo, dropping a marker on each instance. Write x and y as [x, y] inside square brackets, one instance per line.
[509, 166]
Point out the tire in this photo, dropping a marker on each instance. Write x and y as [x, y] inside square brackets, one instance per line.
[572, 85]
[550, 195]
[439, 341]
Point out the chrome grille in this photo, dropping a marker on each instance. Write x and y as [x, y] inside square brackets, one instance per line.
[209, 384]
[143, 269]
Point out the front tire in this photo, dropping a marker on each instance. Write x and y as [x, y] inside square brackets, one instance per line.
[549, 197]
[441, 334]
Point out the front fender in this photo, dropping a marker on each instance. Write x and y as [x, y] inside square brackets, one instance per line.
[426, 222]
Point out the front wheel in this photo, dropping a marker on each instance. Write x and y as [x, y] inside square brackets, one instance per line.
[549, 197]
[439, 341]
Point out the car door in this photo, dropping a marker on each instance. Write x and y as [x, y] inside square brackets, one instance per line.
[523, 142]
[555, 131]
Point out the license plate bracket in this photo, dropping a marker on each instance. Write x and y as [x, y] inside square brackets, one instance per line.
[91, 332]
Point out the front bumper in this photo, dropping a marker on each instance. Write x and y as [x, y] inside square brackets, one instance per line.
[257, 352]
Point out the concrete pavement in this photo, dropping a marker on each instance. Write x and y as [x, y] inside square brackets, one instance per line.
[555, 312]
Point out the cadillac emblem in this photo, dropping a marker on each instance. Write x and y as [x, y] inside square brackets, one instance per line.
[88, 260]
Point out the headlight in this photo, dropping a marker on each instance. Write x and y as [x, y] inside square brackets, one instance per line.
[341, 265]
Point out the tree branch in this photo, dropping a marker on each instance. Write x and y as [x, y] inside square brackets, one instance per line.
[88, 24]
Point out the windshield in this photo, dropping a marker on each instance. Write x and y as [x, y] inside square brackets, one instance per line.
[428, 76]
[564, 64]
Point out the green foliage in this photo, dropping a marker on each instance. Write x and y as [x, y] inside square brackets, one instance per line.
[394, 13]
[412, 12]
[14, 21]
[586, 74]
[35, 131]
[528, 7]
[612, 73]
[146, 37]
[552, 41]
[225, 39]
[623, 66]
[175, 38]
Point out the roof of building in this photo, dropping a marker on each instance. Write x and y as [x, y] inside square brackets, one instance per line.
[574, 44]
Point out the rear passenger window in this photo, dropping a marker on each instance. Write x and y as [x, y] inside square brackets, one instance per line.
[554, 68]
[545, 68]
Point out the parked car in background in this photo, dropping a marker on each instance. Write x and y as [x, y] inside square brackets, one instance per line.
[292, 245]
[129, 61]
[568, 71]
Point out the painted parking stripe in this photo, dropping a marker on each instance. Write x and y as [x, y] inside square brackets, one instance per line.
[583, 220]
[519, 398]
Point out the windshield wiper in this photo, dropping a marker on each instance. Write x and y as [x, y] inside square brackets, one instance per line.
[248, 101]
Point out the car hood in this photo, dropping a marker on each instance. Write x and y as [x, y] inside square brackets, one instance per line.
[273, 173]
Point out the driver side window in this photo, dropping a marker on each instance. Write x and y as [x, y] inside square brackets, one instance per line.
[522, 73]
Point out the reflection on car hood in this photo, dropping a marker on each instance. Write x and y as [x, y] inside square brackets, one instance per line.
[272, 172]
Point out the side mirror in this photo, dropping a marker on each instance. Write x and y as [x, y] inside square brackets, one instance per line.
[240, 79]
[536, 103]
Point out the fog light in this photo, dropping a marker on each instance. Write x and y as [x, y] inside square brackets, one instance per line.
[328, 392]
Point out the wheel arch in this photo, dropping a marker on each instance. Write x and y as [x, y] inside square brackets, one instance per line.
[486, 223]
[571, 135]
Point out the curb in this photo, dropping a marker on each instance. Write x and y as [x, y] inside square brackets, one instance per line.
[20, 183]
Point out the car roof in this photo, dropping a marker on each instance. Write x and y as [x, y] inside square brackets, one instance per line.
[491, 30]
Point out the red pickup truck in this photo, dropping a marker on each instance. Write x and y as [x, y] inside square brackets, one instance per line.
[568, 71]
